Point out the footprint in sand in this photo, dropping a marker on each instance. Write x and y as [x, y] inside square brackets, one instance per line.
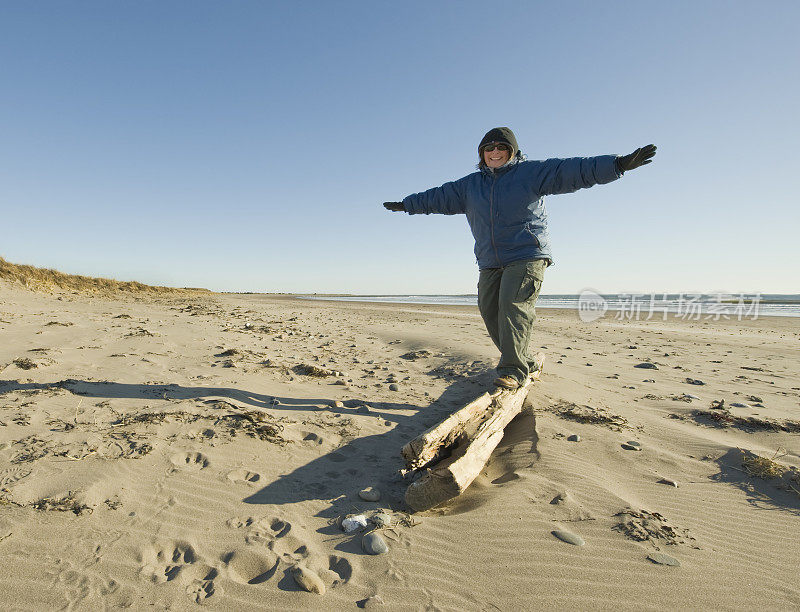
[190, 461]
[340, 570]
[266, 530]
[82, 588]
[237, 522]
[247, 566]
[177, 560]
[244, 476]
[312, 438]
[273, 541]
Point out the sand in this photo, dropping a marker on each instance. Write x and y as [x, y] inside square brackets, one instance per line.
[165, 452]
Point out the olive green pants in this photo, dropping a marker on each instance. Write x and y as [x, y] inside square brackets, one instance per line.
[507, 301]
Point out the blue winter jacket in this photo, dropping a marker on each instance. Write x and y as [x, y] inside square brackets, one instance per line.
[505, 207]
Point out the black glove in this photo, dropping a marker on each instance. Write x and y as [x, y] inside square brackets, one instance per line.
[394, 206]
[640, 157]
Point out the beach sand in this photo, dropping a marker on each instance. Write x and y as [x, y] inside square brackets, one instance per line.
[168, 451]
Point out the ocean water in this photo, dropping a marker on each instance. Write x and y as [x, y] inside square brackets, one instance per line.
[592, 305]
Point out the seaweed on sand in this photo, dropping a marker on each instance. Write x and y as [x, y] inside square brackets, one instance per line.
[590, 414]
[68, 503]
[721, 417]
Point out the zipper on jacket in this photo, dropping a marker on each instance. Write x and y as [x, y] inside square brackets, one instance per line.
[491, 219]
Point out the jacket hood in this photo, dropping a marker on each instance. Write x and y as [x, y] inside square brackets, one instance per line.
[502, 135]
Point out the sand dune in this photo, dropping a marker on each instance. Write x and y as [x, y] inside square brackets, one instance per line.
[171, 450]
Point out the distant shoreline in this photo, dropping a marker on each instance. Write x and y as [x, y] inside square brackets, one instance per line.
[630, 305]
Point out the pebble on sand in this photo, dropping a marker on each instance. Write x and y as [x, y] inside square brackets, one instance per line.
[669, 481]
[694, 381]
[393, 387]
[370, 494]
[646, 365]
[382, 519]
[574, 438]
[568, 537]
[337, 404]
[663, 559]
[308, 580]
[373, 544]
[632, 445]
[353, 522]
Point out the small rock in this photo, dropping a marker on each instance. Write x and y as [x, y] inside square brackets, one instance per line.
[669, 481]
[393, 387]
[363, 410]
[353, 522]
[308, 580]
[632, 446]
[337, 404]
[690, 396]
[649, 380]
[663, 559]
[382, 519]
[646, 366]
[370, 494]
[574, 438]
[568, 537]
[694, 381]
[754, 398]
[739, 405]
[373, 544]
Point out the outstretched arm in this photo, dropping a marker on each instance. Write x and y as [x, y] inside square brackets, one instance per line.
[445, 200]
[555, 176]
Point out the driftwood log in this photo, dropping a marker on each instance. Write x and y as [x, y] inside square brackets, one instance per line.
[454, 452]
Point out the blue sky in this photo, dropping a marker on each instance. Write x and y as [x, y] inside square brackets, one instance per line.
[249, 145]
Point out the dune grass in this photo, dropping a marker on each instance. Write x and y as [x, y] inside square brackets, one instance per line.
[44, 279]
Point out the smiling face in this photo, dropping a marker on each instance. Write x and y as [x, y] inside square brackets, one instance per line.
[496, 155]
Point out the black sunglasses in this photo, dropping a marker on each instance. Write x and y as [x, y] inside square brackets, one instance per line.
[492, 147]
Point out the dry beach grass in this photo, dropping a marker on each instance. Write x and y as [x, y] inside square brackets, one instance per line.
[173, 448]
[44, 279]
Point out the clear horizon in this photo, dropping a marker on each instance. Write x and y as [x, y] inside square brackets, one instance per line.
[248, 147]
